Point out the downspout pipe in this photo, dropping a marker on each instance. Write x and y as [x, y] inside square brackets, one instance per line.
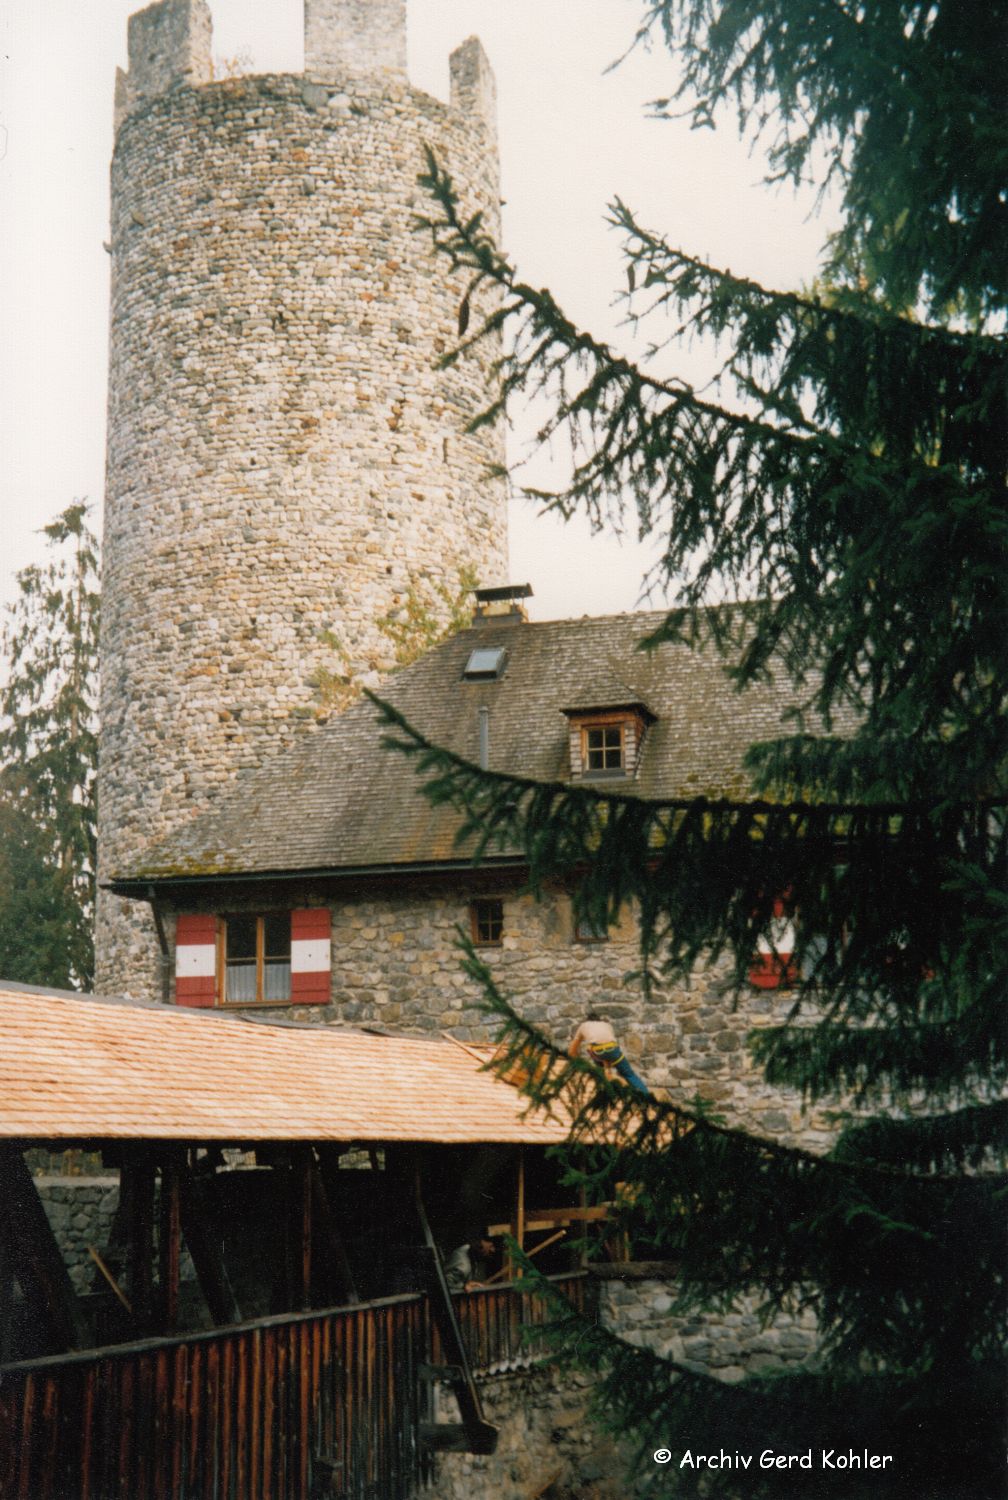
[484, 739]
[162, 937]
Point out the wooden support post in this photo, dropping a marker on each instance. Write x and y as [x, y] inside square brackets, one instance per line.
[35, 1255]
[520, 1215]
[136, 1190]
[329, 1241]
[169, 1247]
[299, 1228]
[205, 1249]
[517, 1228]
[6, 1291]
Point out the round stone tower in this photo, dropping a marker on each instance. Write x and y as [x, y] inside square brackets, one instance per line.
[285, 460]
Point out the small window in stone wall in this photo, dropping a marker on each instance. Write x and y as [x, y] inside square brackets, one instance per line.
[486, 916]
[771, 966]
[587, 931]
[256, 958]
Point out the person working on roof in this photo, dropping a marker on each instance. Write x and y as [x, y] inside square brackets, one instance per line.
[597, 1040]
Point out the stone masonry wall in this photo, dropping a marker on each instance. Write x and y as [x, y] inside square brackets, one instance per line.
[80, 1211]
[549, 1445]
[284, 460]
[355, 36]
[727, 1345]
[395, 963]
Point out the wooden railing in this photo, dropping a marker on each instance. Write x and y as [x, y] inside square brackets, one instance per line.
[498, 1324]
[286, 1408]
[259, 1412]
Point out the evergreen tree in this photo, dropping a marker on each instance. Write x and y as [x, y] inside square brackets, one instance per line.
[48, 756]
[850, 485]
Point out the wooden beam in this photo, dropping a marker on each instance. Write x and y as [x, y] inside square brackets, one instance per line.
[506, 1270]
[329, 1242]
[556, 1218]
[110, 1279]
[35, 1256]
[480, 1435]
[205, 1249]
[136, 1191]
[169, 1247]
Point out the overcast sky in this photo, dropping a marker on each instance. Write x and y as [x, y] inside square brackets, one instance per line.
[572, 134]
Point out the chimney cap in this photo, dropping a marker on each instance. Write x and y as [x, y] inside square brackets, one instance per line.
[503, 591]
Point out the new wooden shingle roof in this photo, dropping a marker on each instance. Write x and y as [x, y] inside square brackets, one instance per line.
[338, 801]
[74, 1067]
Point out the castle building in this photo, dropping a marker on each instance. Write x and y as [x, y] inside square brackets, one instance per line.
[288, 467]
[285, 459]
[324, 887]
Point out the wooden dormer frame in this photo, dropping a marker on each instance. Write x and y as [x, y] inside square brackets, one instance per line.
[631, 719]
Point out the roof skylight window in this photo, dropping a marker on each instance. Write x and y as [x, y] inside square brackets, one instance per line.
[485, 664]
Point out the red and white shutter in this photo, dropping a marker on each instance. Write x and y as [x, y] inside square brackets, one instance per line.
[196, 960]
[310, 956]
[771, 966]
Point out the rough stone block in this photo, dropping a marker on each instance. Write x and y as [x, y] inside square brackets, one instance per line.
[169, 43]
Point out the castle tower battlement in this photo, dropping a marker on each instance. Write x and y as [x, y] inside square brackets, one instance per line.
[285, 459]
[366, 38]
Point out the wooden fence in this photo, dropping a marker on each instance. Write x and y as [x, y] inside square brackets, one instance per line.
[286, 1408]
[498, 1324]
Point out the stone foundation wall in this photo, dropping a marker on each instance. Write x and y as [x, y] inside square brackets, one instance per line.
[547, 1445]
[80, 1211]
[727, 1345]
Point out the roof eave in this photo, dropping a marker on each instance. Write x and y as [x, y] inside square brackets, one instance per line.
[140, 887]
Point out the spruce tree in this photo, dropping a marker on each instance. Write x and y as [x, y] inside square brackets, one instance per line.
[847, 481]
[48, 761]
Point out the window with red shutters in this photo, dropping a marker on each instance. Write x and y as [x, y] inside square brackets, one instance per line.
[311, 962]
[253, 958]
[196, 959]
[771, 966]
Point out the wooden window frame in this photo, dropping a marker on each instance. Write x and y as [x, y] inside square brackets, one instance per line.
[604, 721]
[260, 961]
[474, 905]
[602, 725]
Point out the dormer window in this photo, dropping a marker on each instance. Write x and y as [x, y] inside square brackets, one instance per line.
[606, 741]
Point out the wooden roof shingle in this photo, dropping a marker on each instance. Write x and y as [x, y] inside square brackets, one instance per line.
[338, 801]
[76, 1067]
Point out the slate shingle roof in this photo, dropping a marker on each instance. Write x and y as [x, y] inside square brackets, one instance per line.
[73, 1067]
[337, 801]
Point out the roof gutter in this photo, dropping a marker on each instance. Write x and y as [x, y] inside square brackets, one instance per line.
[144, 887]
